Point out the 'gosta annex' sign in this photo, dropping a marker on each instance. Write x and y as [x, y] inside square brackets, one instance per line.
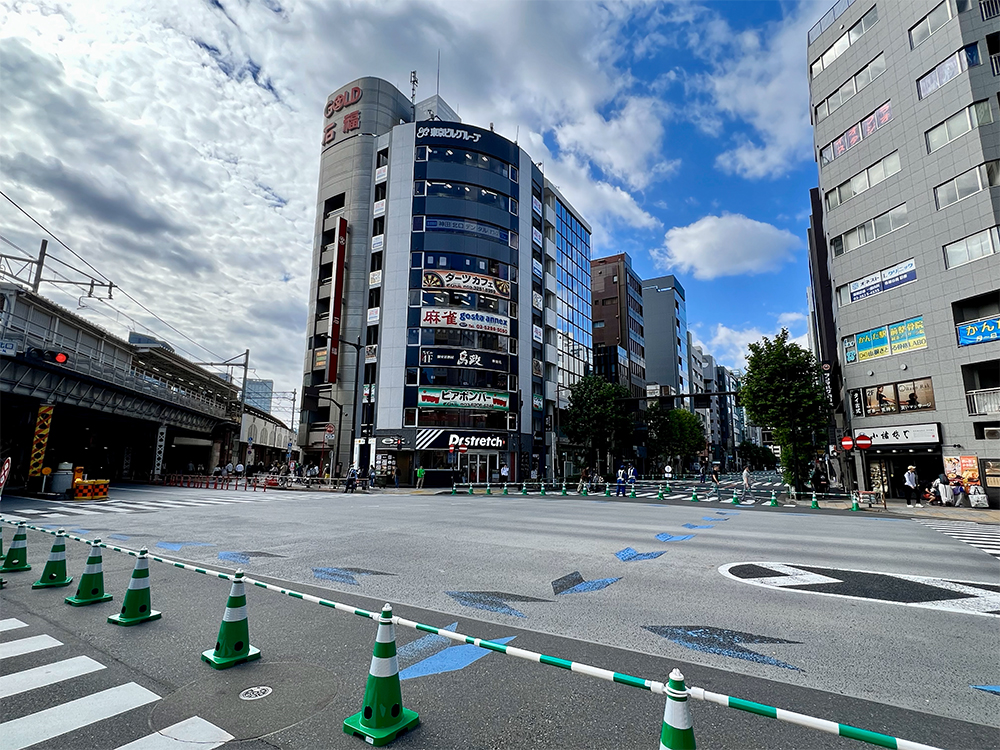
[467, 282]
[446, 317]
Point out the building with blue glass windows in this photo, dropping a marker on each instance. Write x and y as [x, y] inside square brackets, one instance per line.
[441, 258]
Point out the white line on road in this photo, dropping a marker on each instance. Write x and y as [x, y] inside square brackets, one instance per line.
[27, 646]
[11, 623]
[76, 511]
[191, 732]
[47, 674]
[58, 720]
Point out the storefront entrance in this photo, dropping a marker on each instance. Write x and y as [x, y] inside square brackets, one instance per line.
[480, 467]
[886, 469]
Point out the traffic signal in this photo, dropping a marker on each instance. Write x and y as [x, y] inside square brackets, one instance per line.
[310, 398]
[48, 355]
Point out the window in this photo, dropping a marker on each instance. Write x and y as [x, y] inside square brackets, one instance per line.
[974, 247]
[598, 324]
[929, 24]
[421, 153]
[871, 230]
[840, 46]
[965, 58]
[968, 183]
[868, 74]
[419, 188]
[418, 223]
[513, 174]
[856, 133]
[978, 113]
[864, 180]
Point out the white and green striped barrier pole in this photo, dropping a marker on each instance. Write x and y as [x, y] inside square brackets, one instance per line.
[653, 686]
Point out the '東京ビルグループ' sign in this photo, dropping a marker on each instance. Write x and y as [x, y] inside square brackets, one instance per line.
[462, 398]
[472, 320]
[467, 282]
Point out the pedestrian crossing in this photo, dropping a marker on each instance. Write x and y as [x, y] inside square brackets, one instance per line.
[981, 536]
[60, 510]
[68, 721]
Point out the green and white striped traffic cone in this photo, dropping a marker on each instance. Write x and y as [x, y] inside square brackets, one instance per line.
[135, 608]
[17, 555]
[488, 490]
[583, 492]
[564, 488]
[471, 490]
[694, 495]
[542, 491]
[91, 590]
[659, 495]
[774, 499]
[505, 488]
[854, 502]
[632, 492]
[677, 733]
[815, 502]
[524, 488]
[383, 717]
[607, 489]
[454, 489]
[233, 645]
[666, 488]
[54, 573]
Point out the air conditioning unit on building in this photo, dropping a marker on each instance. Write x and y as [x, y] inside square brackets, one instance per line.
[992, 433]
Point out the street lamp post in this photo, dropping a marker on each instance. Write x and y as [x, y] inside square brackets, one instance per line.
[356, 419]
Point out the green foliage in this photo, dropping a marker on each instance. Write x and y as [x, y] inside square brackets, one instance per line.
[783, 390]
[673, 433]
[599, 417]
[759, 457]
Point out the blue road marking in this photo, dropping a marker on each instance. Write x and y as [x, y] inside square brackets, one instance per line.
[727, 512]
[697, 526]
[713, 519]
[995, 689]
[176, 546]
[574, 584]
[236, 557]
[492, 601]
[119, 537]
[345, 575]
[79, 531]
[426, 646]
[451, 659]
[630, 555]
[721, 642]
[665, 537]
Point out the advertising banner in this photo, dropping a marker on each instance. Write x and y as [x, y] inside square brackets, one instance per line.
[866, 287]
[537, 301]
[537, 402]
[901, 434]
[916, 395]
[536, 368]
[468, 282]
[850, 349]
[431, 439]
[962, 470]
[466, 226]
[464, 358]
[857, 404]
[462, 398]
[899, 274]
[336, 298]
[979, 331]
[371, 353]
[881, 399]
[471, 320]
[536, 334]
[873, 344]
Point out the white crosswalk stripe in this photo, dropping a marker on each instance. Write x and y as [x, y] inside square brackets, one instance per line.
[59, 722]
[58, 510]
[983, 537]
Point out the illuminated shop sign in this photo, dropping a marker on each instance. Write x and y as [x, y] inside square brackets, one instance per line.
[469, 282]
[462, 398]
[979, 331]
[446, 317]
[895, 338]
[464, 358]
[457, 133]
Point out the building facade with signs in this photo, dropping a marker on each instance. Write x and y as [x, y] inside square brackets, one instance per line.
[434, 303]
[907, 137]
[619, 338]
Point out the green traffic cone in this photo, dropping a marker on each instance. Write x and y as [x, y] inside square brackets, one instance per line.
[659, 495]
[454, 490]
[233, 645]
[774, 499]
[54, 573]
[694, 495]
[17, 555]
[666, 488]
[677, 733]
[471, 491]
[524, 488]
[584, 491]
[505, 488]
[564, 488]
[854, 502]
[383, 717]
[135, 608]
[815, 502]
[736, 500]
[542, 492]
[488, 490]
[91, 590]
[607, 489]
[632, 493]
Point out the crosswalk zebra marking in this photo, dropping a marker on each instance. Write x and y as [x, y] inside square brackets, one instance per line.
[30, 645]
[982, 537]
[11, 623]
[49, 723]
[193, 732]
[47, 674]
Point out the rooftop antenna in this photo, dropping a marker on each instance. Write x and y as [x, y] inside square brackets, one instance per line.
[413, 92]
[437, 90]
[517, 133]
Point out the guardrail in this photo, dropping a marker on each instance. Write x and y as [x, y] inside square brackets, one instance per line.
[675, 689]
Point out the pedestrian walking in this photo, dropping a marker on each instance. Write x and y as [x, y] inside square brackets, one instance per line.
[371, 477]
[715, 482]
[352, 480]
[395, 476]
[584, 479]
[910, 487]
[746, 484]
[504, 473]
[620, 482]
[421, 471]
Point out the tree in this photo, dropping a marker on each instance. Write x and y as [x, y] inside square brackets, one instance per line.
[783, 389]
[673, 433]
[599, 418]
[757, 456]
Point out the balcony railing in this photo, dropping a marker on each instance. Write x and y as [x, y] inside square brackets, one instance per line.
[989, 9]
[985, 401]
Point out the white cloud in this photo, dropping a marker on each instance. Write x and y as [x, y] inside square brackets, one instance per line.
[730, 346]
[726, 245]
[788, 319]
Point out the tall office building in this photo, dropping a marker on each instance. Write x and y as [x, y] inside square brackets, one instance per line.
[619, 343]
[446, 294]
[666, 353]
[907, 136]
[260, 393]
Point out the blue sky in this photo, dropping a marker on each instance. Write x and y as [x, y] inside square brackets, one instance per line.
[174, 144]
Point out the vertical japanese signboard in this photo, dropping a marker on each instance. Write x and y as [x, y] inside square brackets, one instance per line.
[336, 299]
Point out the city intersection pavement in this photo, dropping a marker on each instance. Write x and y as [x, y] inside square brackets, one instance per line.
[874, 620]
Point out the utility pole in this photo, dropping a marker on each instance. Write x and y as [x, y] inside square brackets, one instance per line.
[356, 417]
[38, 267]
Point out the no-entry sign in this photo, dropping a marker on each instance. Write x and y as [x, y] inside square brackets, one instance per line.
[846, 442]
[863, 441]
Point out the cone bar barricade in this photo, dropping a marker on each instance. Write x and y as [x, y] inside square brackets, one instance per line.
[774, 499]
[91, 590]
[17, 555]
[383, 717]
[54, 573]
[233, 645]
[677, 733]
[135, 608]
[815, 502]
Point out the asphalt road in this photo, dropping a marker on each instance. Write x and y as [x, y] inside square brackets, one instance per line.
[572, 577]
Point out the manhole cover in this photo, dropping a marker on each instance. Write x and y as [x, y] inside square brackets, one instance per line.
[255, 693]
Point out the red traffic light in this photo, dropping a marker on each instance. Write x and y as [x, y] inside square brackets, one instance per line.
[60, 357]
